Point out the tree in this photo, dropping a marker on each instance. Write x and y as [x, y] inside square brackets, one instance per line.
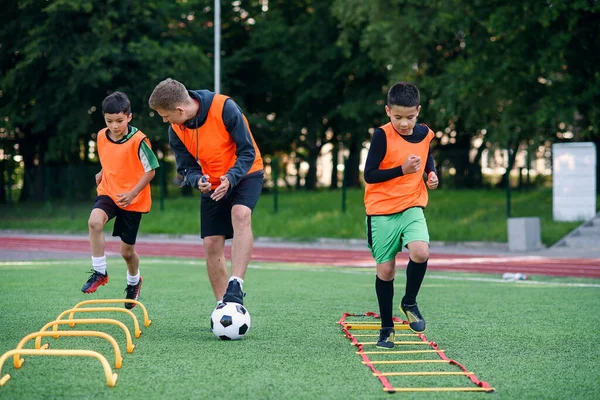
[64, 58]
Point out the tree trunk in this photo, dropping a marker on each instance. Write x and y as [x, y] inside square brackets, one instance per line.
[351, 172]
[511, 161]
[334, 163]
[3, 182]
[310, 181]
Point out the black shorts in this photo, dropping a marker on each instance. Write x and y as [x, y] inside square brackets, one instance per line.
[127, 222]
[215, 216]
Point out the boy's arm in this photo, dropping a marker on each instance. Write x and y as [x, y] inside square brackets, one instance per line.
[125, 199]
[376, 154]
[150, 163]
[244, 148]
[430, 164]
[187, 165]
[99, 177]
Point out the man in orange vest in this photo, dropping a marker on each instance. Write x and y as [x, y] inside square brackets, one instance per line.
[395, 196]
[215, 153]
[128, 165]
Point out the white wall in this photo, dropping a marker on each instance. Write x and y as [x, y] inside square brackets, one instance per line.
[574, 181]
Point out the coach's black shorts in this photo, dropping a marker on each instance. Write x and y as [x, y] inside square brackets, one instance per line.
[127, 222]
[215, 216]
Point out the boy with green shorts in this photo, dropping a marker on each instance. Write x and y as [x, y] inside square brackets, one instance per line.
[395, 196]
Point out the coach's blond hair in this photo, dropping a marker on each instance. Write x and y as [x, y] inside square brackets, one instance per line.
[168, 95]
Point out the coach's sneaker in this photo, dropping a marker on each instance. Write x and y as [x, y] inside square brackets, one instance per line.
[414, 317]
[95, 280]
[386, 338]
[234, 293]
[132, 292]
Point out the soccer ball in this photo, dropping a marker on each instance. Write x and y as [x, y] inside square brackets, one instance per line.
[230, 321]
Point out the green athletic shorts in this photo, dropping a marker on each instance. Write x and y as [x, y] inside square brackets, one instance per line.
[386, 234]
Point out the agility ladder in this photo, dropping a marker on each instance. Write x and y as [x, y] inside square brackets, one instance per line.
[400, 325]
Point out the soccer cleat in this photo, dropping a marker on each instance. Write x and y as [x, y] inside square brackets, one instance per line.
[234, 293]
[132, 292]
[414, 317]
[95, 280]
[386, 338]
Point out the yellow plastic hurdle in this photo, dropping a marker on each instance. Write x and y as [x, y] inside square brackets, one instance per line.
[111, 378]
[18, 362]
[54, 324]
[136, 324]
[43, 350]
[147, 321]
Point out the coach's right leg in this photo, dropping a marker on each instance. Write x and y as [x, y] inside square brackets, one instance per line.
[216, 265]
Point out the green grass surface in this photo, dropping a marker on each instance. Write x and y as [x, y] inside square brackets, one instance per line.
[453, 216]
[528, 341]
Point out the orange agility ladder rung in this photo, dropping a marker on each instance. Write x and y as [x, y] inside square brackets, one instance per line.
[54, 324]
[136, 324]
[399, 351]
[405, 362]
[440, 389]
[372, 327]
[111, 378]
[18, 362]
[423, 373]
[398, 342]
[147, 321]
[377, 334]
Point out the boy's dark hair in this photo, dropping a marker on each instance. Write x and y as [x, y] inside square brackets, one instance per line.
[403, 94]
[116, 103]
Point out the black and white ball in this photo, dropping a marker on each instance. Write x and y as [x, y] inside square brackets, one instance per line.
[230, 321]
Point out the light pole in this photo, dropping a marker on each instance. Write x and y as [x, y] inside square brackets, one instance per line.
[217, 46]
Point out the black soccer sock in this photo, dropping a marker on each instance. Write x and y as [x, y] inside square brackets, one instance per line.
[415, 272]
[385, 298]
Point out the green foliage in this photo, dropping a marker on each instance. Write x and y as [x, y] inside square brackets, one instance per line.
[68, 56]
[307, 73]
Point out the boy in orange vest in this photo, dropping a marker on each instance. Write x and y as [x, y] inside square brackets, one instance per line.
[215, 153]
[128, 165]
[395, 196]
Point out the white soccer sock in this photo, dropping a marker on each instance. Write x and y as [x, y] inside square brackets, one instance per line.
[133, 280]
[99, 264]
[237, 278]
[219, 302]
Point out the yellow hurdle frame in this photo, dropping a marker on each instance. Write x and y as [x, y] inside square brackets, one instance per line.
[54, 324]
[111, 378]
[147, 321]
[136, 324]
[18, 362]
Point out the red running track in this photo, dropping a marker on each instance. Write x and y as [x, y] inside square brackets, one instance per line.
[532, 265]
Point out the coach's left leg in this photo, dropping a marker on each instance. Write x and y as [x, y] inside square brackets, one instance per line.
[243, 240]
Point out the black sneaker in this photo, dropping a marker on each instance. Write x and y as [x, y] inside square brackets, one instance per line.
[132, 292]
[386, 338]
[234, 293]
[414, 317]
[95, 280]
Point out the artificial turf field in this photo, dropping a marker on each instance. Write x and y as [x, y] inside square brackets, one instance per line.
[527, 340]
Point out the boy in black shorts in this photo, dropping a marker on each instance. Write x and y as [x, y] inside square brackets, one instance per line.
[128, 165]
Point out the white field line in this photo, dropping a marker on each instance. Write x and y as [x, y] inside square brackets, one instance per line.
[325, 269]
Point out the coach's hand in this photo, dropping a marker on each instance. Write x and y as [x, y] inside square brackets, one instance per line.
[204, 184]
[222, 189]
[411, 165]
